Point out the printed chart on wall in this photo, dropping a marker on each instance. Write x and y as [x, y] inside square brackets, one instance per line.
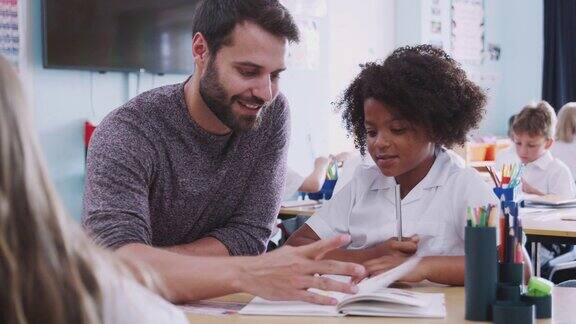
[9, 31]
[305, 55]
[468, 31]
[436, 23]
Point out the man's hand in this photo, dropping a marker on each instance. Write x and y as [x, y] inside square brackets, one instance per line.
[287, 273]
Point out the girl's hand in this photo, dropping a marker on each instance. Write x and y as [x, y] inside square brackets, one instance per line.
[407, 247]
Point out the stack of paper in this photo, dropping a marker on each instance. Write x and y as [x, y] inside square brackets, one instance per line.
[548, 201]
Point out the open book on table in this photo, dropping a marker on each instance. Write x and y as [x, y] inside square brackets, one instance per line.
[372, 299]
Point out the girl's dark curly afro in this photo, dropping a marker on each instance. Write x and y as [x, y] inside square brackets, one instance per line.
[423, 86]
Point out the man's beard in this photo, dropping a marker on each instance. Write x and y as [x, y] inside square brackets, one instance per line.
[215, 97]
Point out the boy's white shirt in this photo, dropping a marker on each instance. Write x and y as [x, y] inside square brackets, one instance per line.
[550, 176]
[435, 209]
[565, 152]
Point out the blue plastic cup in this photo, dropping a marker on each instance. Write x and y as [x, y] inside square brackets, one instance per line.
[328, 188]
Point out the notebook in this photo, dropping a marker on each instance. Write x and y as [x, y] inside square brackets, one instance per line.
[372, 299]
[548, 201]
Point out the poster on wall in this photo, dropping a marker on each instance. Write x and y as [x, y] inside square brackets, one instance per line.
[9, 31]
[468, 31]
[305, 55]
[436, 23]
[307, 8]
[307, 14]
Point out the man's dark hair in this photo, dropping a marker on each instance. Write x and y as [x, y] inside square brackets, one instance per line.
[423, 86]
[536, 120]
[215, 20]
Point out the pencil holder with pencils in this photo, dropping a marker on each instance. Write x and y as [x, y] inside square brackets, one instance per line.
[510, 250]
[480, 277]
[510, 253]
[507, 194]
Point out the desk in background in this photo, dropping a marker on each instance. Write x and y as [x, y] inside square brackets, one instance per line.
[548, 227]
[292, 211]
[540, 227]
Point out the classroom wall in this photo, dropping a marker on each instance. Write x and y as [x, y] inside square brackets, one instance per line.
[358, 34]
[523, 55]
[517, 27]
[350, 33]
[64, 99]
[408, 22]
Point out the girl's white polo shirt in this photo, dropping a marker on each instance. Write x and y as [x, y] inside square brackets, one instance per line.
[435, 209]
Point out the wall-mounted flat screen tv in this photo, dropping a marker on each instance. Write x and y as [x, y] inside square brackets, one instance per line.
[119, 35]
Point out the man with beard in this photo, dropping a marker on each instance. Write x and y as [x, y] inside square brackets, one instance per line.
[197, 169]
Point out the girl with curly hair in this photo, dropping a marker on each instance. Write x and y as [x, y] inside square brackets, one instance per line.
[407, 112]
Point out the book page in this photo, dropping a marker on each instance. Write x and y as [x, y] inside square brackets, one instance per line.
[387, 278]
[367, 288]
[370, 285]
[261, 306]
[433, 306]
[388, 295]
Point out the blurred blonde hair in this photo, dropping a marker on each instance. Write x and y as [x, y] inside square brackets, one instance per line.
[566, 128]
[49, 270]
[536, 119]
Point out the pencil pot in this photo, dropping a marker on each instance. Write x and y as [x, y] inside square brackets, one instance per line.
[509, 193]
[511, 273]
[315, 195]
[543, 304]
[480, 276]
[328, 188]
[510, 312]
[508, 292]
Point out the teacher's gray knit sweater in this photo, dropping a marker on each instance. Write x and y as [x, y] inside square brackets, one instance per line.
[155, 177]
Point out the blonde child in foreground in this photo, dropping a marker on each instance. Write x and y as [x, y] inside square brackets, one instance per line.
[406, 111]
[544, 174]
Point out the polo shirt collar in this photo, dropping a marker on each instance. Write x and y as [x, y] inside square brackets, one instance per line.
[436, 177]
[543, 161]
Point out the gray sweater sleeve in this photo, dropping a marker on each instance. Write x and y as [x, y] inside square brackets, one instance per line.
[249, 229]
[118, 173]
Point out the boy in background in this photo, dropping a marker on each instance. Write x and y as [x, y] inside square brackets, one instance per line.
[543, 174]
[533, 130]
